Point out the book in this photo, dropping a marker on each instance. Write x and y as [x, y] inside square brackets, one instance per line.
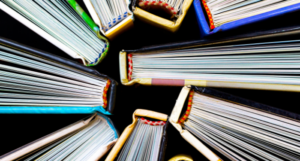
[266, 65]
[260, 35]
[144, 139]
[87, 139]
[237, 128]
[33, 81]
[64, 24]
[177, 10]
[215, 16]
[112, 17]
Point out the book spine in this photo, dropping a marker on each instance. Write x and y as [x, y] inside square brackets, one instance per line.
[174, 120]
[150, 114]
[189, 107]
[94, 27]
[104, 52]
[168, 82]
[111, 100]
[209, 15]
[152, 123]
[123, 67]
[121, 27]
[163, 143]
[111, 125]
[105, 90]
[130, 67]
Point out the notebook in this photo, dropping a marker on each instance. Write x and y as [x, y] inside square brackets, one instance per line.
[217, 15]
[237, 128]
[268, 65]
[144, 139]
[87, 139]
[64, 24]
[33, 81]
[176, 9]
[112, 17]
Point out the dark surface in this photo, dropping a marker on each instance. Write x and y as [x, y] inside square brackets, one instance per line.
[17, 130]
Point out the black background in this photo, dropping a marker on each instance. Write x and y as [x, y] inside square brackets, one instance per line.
[17, 130]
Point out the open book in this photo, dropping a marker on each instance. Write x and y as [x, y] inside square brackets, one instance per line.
[64, 24]
[237, 128]
[113, 17]
[265, 66]
[144, 139]
[32, 81]
[87, 139]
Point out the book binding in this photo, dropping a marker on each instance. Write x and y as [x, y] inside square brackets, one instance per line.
[109, 92]
[54, 136]
[176, 119]
[116, 30]
[129, 129]
[206, 28]
[159, 21]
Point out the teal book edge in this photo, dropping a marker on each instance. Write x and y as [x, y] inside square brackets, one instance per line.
[52, 110]
[111, 124]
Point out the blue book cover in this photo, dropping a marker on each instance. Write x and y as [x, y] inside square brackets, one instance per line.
[206, 29]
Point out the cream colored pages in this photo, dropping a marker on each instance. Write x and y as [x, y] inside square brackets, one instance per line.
[128, 130]
[93, 13]
[121, 141]
[102, 151]
[97, 19]
[227, 11]
[184, 133]
[46, 140]
[39, 31]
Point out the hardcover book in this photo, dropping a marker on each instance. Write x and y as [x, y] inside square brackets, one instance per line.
[262, 65]
[87, 139]
[64, 24]
[33, 81]
[144, 139]
[237, 128]
[215, 16]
